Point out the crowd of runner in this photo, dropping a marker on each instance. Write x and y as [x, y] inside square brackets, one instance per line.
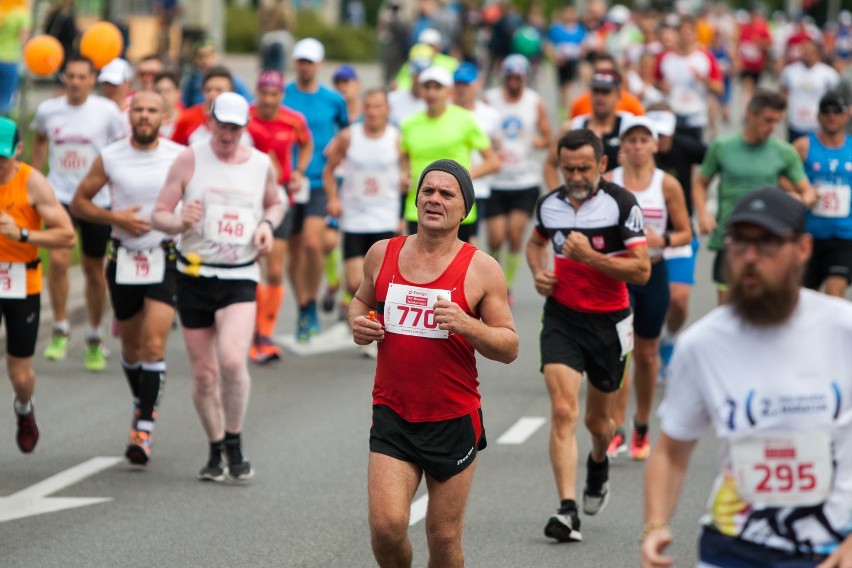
[405, 208]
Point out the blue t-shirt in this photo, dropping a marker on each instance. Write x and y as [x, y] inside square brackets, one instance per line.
[830, 172]
[325, 111]
[567, 40]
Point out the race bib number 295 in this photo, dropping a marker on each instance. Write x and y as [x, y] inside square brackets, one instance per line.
[408, 311]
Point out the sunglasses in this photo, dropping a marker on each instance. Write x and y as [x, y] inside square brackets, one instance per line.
[833, 110]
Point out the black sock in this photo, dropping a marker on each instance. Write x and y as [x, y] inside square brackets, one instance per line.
[594, 466]
[567, 505]
[642, 429]
[230, 437]
[216, 449]
[151, 380]
[132, 371]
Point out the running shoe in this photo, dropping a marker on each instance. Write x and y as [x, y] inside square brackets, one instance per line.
[27, 434]
[617, 446]
[370, 351]
[640, 446]
[95, 355]
[58, 346]
[313, 320]
[329, 298]
[564, 526]
[138, 450]
[303, 330]
[239, 467]
[596, 491]
[214, 470]
[267, 350]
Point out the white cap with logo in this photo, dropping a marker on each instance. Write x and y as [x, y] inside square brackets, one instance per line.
[629, 122]
[231, 108]
[116, 72]
[438, 75]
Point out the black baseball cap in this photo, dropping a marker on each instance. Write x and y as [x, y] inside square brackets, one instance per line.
[833, 102]
[772, 209]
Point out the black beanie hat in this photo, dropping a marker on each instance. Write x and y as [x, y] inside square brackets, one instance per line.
[459, 172]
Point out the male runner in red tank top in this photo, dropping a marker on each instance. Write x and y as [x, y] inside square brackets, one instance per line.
[431, 301]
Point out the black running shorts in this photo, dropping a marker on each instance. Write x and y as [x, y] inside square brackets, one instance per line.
[503, 202]
[128, 299]
[585, 342]
[94, 237]
[200, 298]
[22, 318]
[650, 302]
[357, 244]
[442, 449]
[830, 257]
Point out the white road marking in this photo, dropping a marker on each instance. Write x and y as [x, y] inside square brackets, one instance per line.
[34, 501]
[521, 430]
[418, 510]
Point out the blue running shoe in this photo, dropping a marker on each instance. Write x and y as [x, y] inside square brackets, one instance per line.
[312, 319]
[303, 330]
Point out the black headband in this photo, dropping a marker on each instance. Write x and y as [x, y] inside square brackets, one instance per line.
[459, 172]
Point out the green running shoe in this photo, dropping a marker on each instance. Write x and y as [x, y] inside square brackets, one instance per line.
[95, 356]
[58, 346]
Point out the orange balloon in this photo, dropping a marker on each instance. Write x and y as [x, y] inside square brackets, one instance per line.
[43, 55]
[101, 43]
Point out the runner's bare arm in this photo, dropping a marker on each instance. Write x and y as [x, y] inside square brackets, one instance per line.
[336, 152]
[364, 329]
[706, 222]
[543, 139]
[306, 152]
[493, 334]
[490, 163]
[678, 214]
[163, 217]
[39, 151]
[635, 268]
[58, 230]
[551, 163]
[802, 145]
[273, 212]
[664, 477]
[83, 207]
[538, 258]
[805, 192]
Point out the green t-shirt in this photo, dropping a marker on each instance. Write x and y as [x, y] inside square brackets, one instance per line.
[11, 26]
[453, 135]
[744, 167]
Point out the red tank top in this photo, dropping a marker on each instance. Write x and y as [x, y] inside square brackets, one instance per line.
[422, 378]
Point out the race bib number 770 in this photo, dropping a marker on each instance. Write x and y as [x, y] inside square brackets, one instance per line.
[408, 311]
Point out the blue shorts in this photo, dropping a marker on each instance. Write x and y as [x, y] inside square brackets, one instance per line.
[682, 269]
[650, 302]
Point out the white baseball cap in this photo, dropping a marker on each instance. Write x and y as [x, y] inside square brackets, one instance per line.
[116, 72]
[629, 122]
[231, 108]
[309, 49]
[664, 121]
[430, 36]
[437, 74]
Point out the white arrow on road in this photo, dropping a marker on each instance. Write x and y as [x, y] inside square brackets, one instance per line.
[34, 501]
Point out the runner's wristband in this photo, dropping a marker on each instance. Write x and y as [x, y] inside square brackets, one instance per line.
[271, 225]
[667, 240]
[649, 527]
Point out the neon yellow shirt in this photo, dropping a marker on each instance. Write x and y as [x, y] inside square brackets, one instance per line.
[453, 135]
[11, 25]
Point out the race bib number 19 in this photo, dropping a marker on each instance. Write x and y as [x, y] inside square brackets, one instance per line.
[137, 267]
[784, 470]
[408, 311]
[13, 280]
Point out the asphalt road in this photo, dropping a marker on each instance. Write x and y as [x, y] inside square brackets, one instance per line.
[306, 434]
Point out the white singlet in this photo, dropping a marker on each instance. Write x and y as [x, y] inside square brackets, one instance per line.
[805, 86]
[779, 399]
[518, 129]
[402, 105]
[232, 195]
[687, 93]
[136, 178]
[76, 135]
[652, 200]
[370, 191]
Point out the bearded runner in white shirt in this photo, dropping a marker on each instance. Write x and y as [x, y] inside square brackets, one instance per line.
[75, 128]
[231, 202]
[771, 374]
[141, 272]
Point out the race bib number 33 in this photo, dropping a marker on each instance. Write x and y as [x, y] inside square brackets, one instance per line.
[408, 311]
[784, 470]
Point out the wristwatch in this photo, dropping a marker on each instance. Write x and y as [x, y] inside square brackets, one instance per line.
[25, 234]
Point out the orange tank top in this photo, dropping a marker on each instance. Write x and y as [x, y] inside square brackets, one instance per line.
[14, 200]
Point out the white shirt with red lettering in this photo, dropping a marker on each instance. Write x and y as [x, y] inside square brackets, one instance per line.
[686, 76]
